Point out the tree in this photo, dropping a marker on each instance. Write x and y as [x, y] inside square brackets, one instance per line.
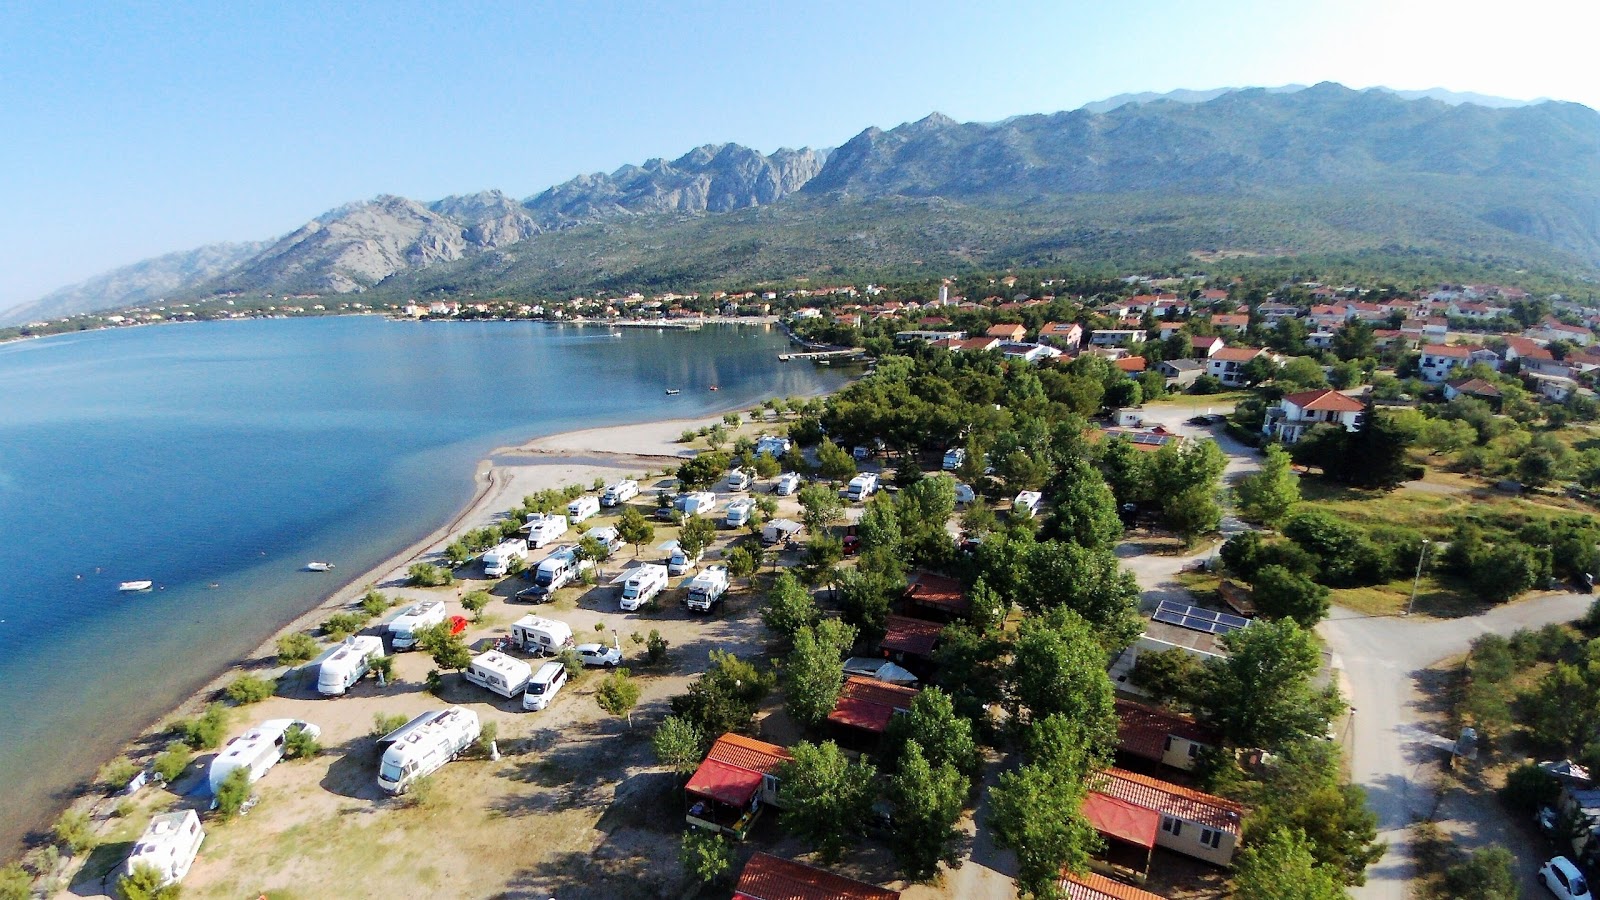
[1355, 340]
[1301, 374]
[1091, 583]
[702, 471]
[1059, 666]
[618, 694]
[1127, 470]
[1258, 370]
[679, 744]
[742, 561]
[927, 802]
[1267, 496]
[834, 462]
[298, 743]
[879, 528]
[821, 505]
[474, 602]
[766, 466]
[427, 575]
[705, 855]
[171, 762]
[75, 831]
[205, 732]
[1282, 868]
[16, 883]
[942, 737]
[145, 882]
[790, 606]
[813, 673]
[1302, 790]
[1171, 676]
[1086, 508]
[1039, 813]
[866, 595]
[1488, 874]
[1192, 512]
[1281, 594]
[1536, 467]
[449, 651]
[635, 529]
[1260, 695]
[826, 798]
[696, 535]
[725, 697]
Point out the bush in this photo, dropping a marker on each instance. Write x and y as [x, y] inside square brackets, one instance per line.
[233, 792]
[76, 832]
[1486, 875]
[655, 649]
[1529, 787]
[15, 883]
[427, 575]
[171, 762]
[474, 602]
[488, 733]
[1491, 659]
[383, 723]
[374, 602]
[146, 882]
[247, 689]
[341, 625]
[433, 682]
[296, 648]
[206, 731]
[117, 773]
[299, 743]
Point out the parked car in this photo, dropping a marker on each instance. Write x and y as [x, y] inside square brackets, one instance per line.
[599, 655]
[1564, 880]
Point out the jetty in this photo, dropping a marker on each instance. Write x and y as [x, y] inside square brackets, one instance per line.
[845, 353]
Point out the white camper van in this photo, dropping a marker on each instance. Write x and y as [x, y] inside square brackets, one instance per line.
[739, 512]
[609, 537]
[543, 528]
[257, 750]
[424, 744]
[497, 559]
[642, 585]
[739, 480]
[863, 486]
[707, 588]
[534, 634]
[544, 685]
[346, 663]
[1028, 500]
[965, 493]
[697, 503]
[953, 458]
[169, 845]
[403, 628]
[680, 561]
[582, 508]
[787, 484]
[505, 675]
[619, 493]
[556, 571]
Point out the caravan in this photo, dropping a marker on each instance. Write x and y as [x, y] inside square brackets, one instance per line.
[863, 486]
[533, 634]
[697, 503]
[788, 483]
[346, 663]
[1029, 501]
[498, 559]
[738, 480]
[643, 584]
[954, 458]
[707, 588]
[505, 675]
[555, 572]
[620, 493]
[169, 845]
[739, 512]
[420, 747]
[543, 528]
[680, 561]
[608, 536]
[257, 750]
[403, 628]
[582, 508]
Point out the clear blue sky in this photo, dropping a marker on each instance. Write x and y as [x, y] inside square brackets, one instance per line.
[137, 129]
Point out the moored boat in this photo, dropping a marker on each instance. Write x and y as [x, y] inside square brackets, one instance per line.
[319, 567]
[133, 587]
[671, 391]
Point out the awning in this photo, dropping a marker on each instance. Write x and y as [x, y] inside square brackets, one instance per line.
[1122, 820]
[723, 783]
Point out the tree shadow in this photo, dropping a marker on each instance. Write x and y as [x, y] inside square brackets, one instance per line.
[354, 773]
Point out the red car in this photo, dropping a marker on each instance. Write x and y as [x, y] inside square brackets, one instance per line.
[458, 624]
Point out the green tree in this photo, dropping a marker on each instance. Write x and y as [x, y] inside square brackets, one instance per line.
[298, 743]
[705, 855]
[927, 802]
[474, 603]
[1302, 790]
[428, 575]
[826, 799]
[618, 694]
[145, 882]
[1086, 508]
[834, 462]
[1281, 594]
[374, 602]
[821, 505]
[171, 762]
[879, 528]
[1260, 695]
[725, 697]
[15, 883]
[1038, 813]
[296, 648]
[702, 471]
[696, 535]
[1355, 340]
[205, 732]
[233, 792]
[679, 744]
[1488, 874]
[1267, 496]
[75, 831]
[1059, 666]
[635, 529]
[1091, 583]
[449, 651]
[1282, 868]
[767, 466]
[1192, 512]
[1127, 470]
[1171, 677]
[813, 672]
[790, 606]
[942, 737]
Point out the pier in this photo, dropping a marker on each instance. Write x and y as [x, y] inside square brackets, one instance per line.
[845, 353]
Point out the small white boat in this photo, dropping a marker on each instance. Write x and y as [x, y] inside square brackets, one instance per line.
[671, 391]
[133, 587]
[319, 567]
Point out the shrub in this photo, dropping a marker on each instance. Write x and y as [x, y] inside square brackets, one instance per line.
[146, 882]
[383, 723]
[434, 681]
[1486, 875]
[247, 689]
[487, 734]
[233, 792]
[117, 773]
[571, 662]
[374, 602]
[427, 575]
[171, 762]
[420, 793]
[687, 437]
[1491, 659]
[655, 652]
[341, 625]
[75, 831]
[296, 648]
[205, 732]
[1529, 787]
[298, 743]
[15, 883]
[383, 668]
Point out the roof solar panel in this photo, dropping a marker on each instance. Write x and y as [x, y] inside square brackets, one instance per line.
[1196, 619]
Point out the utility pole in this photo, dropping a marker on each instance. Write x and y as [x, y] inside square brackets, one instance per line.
[1418, 579]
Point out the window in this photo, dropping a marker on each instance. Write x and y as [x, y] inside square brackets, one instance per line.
[1211, 837]
[1171, 826]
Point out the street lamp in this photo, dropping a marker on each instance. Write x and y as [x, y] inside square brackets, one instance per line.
[1417, 580]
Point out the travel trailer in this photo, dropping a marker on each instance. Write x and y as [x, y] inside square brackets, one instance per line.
[1028, 500]
[420, 747]
[557, 570]
[497, 559]
[739, 512]
[772, 445]
[543, 528]
[544, 685]
[738, 480]
[619, 493]
[257, 750]
[697, 503]
[582, 508]
[706, 589]
[953, 458]
[505, 675]
[403, 628]
[169, 845]
[780, 531]
[965, 493]
[642, 585]
[787, 484]
[608, 537]
[346, 663]
[863, 486]
[533, 634]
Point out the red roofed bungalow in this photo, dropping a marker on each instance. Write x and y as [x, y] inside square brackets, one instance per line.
[866, 705]
[1007, 331]
[767, 877]
[939, 593]
[904, 636]
[1160, 735]
[1130, 830]
[1132, 365]
[736, 780]
[1092, 886]
[1193, 822]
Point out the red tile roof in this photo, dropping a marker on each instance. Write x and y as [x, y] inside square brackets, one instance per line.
[770, 878]
[869, 704]
[938, 591]
[1527, 347]
[1230, 320]
[1236, 354]
[1006, 330]
[749, 753]
[1094, 886]
[1122, 820]
[1475, 386]
[1324, 400]
[1142, 730]
[1170, 799]
[1129, 363]
[1446, 350]
[724, 783]
[1206, 341]
[904, 634]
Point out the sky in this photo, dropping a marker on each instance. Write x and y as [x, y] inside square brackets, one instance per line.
[135, 129]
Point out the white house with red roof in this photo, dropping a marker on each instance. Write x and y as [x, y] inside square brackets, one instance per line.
[1295, 414]
[1191, 822]
[1227, 365]
[1207, 346]
[1552, 329]
[1065, 335]
[1439, 360]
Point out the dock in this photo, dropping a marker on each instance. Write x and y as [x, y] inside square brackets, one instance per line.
[846, 353]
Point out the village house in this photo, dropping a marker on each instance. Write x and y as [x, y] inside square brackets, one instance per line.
[1118, 337]
[910, 641]
[1162, 736]
[1552, 329]
[1295, 414]
[737, 779]
[1473, 387]
[1132, 366]
[1227, 365]
[937, 593]
[1180, 373]
[1439, 360]
[1008, 332]
[1206, 347]
[902, 337]
[1066, 335]
[1236, 323]
[1094, 886]
[767, 877]
[1192, 822]
[1555, 388]
[1272, 312]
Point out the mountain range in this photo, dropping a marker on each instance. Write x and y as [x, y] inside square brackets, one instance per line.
[1274, 172]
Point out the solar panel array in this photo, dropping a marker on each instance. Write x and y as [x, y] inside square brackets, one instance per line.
[1156, 439]
[1196, 619]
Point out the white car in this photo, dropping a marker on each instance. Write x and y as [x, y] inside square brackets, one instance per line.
[1564, 880]
[599, 655]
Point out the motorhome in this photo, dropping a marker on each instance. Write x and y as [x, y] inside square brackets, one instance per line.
[953, 458]
[772, 445]
[697, 503]
[582, 508]
[557, 570]
[608, 536]
[543, 528]
[680, 561]
[739, 480]
[863, 486]
[346, 663]
[497, 560]
[256, 751]
[780, 531]
[619, 493]
[505, 675]
[169, 845]
[642, 585]
[424, 744]
[544, 685]
[739, 512]
[403, 628]
[965, 493]
[1028, 500]
[788, 483]
[535, 634]
[707, 588]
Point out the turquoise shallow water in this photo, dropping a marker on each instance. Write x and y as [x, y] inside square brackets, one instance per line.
[232, 453]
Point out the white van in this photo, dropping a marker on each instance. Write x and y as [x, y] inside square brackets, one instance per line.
[620, 493]
[535, 634]
[544, 685]
[739, 512]
[497, 560]
[608, 536]
[863, 486]
[257, 750]
[738, 480]
[643, 584]
[346, 663]
[403, 628]
[582, 508]
[680, 562]
[505, 675]
[1028, 500]
[788, 483]
[169, 845]
[424, 744]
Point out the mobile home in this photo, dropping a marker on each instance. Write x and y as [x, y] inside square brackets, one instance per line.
[423, 745]
[697, 503]
[169, 845]
[535, 634]
[497, 560]
[642, 585]
[403, 628]
[739, 512]
[707, 588]
[347, 663]
[505, 675]
[739, 480]
[257, 750]
[608, 537]
[863, 486]
[787, 484]
[620, 493]
[543, 528]
[582, 508]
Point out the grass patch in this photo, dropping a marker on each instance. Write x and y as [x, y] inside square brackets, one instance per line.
[1439, 597]
[1202, 585]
